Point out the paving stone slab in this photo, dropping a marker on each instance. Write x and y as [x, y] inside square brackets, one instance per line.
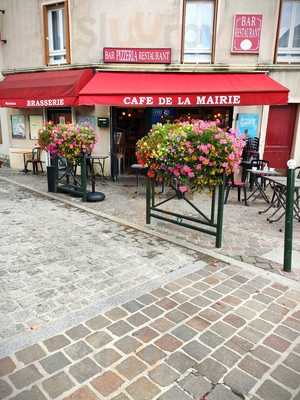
[195, 385]
[78, 332]
[56, 342]
[84, 393]
[180, 361]
[221, 392]
[253, 367]
[25, 376]
[57, 385]
[79, 349]
[212, 370]
[30, 354]
[96, 340]
[175, 393]
[7, 366]
[163, 375]
[5, 389]
[31, 394]
[287, 377]
[196, 350]
[143, 389]
[293, 362]
[226, 356]
[54, 362]
[239, 382]
[128, 344]
[84, 370]
[270, 390]
[107, 383]
[131, 367]
[151, 354]
[107, 357]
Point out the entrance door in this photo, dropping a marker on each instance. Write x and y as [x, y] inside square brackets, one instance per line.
[280, 132]
[59, 115]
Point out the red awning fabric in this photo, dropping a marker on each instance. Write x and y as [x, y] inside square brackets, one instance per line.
[43, 89]
[181, 89]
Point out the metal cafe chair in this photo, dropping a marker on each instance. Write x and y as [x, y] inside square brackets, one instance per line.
[236, 180]
[260, 165]
[35, 160]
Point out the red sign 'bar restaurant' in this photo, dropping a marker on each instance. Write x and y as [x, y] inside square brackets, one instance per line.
[131, 102]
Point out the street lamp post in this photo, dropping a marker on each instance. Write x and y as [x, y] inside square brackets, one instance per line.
[289, 214]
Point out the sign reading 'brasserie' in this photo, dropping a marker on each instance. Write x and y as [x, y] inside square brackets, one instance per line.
[246, 33]
[136, 55]
[180, 100]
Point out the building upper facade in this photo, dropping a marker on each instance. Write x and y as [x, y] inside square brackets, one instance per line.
[41, 33]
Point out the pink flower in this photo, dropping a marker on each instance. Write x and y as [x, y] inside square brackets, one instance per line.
[204, 148]
[183, 189]
[186, 169]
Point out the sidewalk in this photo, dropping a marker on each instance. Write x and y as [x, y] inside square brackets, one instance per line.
[247, 237]
[140, 317]
[218, 334]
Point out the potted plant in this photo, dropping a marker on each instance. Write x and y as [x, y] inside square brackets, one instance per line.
[67, 141]
[196, 154]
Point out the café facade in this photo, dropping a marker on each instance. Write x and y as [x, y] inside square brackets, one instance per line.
[126, 66]
[133, 101]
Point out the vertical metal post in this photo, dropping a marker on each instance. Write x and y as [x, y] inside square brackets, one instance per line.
[152, 193]
[221, 190]
[148, 199]
[83, 176]
[213, 206]
[289, 214]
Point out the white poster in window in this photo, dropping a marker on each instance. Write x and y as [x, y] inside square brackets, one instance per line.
[18, 126]
[35, 124]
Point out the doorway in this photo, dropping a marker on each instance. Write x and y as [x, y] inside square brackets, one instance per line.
[280, 133]
[131, 124]
[59, 115]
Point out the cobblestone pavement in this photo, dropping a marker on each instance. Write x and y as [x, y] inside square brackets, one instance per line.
[126, 201]
[55, 261]
[221, 333]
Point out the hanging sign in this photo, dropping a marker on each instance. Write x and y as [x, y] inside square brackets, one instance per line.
[136, 55]
[246, 33]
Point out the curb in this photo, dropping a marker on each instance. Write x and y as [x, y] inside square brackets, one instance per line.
[152, 232]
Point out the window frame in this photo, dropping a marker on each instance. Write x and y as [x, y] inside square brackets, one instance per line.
[53, 6]
[276, 61]
[214, 28]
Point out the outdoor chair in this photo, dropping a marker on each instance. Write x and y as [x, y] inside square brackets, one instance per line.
[236, 180]
[35, 160]
[260, 165]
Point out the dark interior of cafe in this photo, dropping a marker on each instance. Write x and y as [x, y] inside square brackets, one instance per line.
[131, 124]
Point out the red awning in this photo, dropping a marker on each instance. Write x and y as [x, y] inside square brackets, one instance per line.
[181, 89]
[43, 89]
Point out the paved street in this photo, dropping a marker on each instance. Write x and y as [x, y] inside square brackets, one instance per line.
[91, 309]
[127, 202]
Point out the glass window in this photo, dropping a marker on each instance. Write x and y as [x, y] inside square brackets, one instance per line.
[289, 32]
[198, 32]
[56, 35]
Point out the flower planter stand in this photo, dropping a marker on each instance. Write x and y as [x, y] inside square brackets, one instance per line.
[51, 179]
[211, 225]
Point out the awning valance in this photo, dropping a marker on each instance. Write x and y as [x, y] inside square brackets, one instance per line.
[43, 89]
[142, 89]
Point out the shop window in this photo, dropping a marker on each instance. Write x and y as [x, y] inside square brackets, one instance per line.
[289, 32]
[56, 25]
[198, 31]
